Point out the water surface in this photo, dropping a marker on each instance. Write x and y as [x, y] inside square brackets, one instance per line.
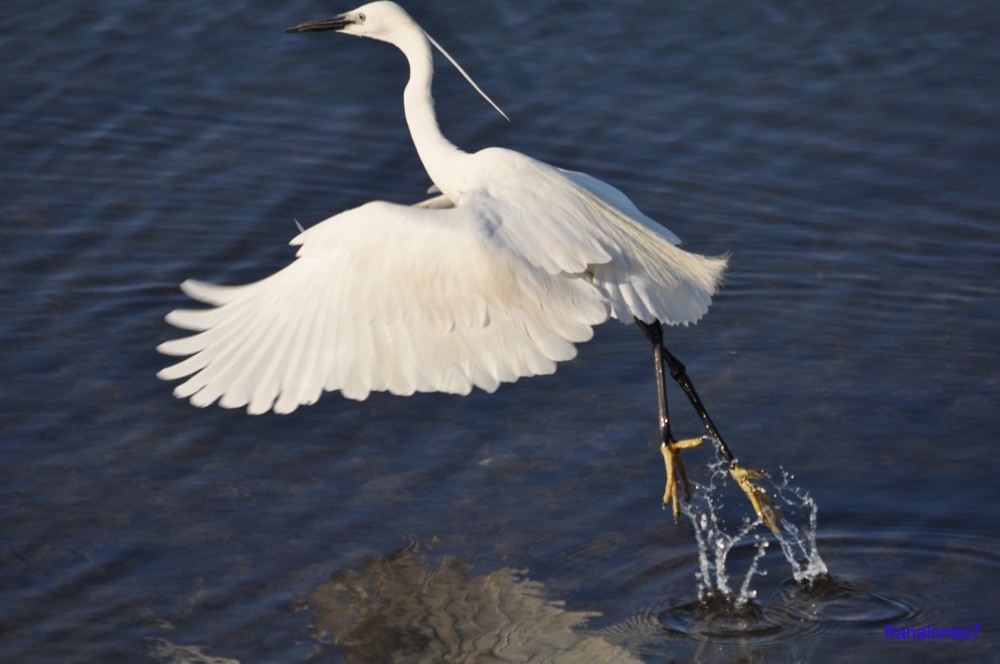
[846, 154]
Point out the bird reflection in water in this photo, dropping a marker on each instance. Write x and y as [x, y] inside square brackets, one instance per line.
[400, 609]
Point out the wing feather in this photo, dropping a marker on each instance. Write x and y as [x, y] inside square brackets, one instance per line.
[382, 298]
[571, 223]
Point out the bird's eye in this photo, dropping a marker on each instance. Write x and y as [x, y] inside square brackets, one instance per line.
[361, 18]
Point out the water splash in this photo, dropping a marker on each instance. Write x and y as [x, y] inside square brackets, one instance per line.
[798, 530]
[796, 534]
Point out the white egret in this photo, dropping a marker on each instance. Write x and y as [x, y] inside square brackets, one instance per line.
[494, 279]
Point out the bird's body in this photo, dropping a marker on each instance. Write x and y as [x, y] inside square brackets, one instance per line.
[495, 279]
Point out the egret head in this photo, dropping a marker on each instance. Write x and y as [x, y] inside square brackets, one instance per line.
[388, 22]
[381, 20]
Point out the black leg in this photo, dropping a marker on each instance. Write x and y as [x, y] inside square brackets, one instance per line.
[671, 448]
[654, 332]
[679, 374]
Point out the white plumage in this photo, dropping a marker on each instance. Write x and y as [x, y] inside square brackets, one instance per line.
[495, 279]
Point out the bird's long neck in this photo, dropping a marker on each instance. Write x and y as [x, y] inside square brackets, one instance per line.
[440, 157]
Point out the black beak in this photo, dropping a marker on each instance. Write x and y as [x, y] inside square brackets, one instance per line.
[322, 25]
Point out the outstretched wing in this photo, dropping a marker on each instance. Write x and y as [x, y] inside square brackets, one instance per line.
[383, 297]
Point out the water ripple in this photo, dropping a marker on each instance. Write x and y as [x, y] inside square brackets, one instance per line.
[853, 604]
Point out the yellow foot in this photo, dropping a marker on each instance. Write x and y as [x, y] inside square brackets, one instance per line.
[675, 467]
[765, 508]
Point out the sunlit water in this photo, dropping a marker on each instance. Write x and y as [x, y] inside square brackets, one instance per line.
[845, 153]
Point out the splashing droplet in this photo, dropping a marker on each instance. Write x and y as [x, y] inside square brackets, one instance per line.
[716, 539]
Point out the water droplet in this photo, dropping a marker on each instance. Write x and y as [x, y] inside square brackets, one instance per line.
[796, 536]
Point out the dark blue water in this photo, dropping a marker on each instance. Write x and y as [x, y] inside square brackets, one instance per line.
[846, 153]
